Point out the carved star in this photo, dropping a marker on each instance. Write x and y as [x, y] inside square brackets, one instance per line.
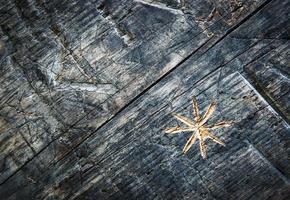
[200, 129]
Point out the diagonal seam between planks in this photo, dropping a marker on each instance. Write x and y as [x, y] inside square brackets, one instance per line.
[173, 69]
[204, 77]
[240, 23]
[45, 10]
[167, 73]
[188, 103]
[146, 89]
[264, 159]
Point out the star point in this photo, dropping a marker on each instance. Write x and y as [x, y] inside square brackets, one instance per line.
[201, 131]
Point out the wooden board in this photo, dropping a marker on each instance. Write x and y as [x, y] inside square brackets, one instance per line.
[105, 79]
[59, 61]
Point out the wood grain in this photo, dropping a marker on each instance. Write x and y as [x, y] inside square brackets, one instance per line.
[87, 90]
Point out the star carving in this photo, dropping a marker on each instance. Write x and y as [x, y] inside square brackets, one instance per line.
[199, 127]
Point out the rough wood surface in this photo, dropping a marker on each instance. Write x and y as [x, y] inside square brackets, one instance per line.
[88, 87]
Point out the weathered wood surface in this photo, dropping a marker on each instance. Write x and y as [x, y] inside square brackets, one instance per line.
[59, 64]
[87, 90]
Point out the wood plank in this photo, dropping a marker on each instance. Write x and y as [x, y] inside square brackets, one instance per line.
[140, 146]
[199, 66]
[27, 124]
[269, 74]
[272, 79]
[136, 133]
[113, 153]
[53, 48]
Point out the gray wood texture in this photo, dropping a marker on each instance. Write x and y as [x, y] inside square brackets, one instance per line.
[87, 89]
